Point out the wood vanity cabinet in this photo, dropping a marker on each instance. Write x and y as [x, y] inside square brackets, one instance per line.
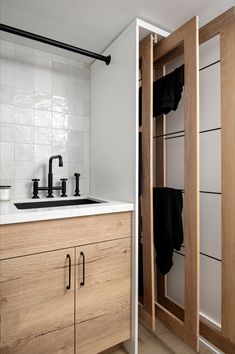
[37, 309]
[102, 295]
[71, 300]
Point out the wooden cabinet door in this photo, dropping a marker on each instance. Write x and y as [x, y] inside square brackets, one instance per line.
[37, 309]
[103, 292]
[184, 41]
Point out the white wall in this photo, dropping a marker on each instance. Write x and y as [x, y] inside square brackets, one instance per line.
[44, 110]
[113, 121]
[210, 181]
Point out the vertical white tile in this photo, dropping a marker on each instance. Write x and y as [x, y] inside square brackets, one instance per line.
[42, 100]
[7, 74]
[23, 97]
[23, 152]
[7, 151]
[23, 79]
[7, 132]
[23, 115]
[42, 153]
[42, 118]
[42, 82]
[7, 169]
[24, 170]
[6, 113]
[42, 136]
[23, 134]
[7, 94]
[23, 188]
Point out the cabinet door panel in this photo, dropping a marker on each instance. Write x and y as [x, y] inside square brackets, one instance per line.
[37, 310]
[103, 303]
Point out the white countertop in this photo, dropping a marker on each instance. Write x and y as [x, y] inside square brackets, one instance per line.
[9, 214]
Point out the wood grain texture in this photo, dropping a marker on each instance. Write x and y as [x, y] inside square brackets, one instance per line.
[191, 183]
[37, 311]
[216, 337]
[171, 322]
[217, 25]
[114, 349]
[187, 35]
[227, 47]
[103, 305]
[146, 53]
[34, 237]
[208, 31]
[174, 40]
[207, 330]
[222, 25]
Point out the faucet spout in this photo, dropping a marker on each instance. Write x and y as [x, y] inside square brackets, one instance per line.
[53, 158]
[50, 175]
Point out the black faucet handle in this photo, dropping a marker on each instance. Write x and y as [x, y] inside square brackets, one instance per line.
[35, 188]
[64, 187]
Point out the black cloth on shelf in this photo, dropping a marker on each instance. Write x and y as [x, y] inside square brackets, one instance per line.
[167, 93]
[168, 226]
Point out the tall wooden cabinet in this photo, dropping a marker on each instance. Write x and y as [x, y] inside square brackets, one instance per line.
[186, 320]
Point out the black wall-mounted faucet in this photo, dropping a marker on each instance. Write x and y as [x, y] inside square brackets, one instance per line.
[50, 187]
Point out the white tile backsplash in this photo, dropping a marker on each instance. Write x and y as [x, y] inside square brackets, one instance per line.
[42, 82]
[23, 97]
[23, 78]
[42, 135]
[23, 115]
[6, 113]
[7, 132]
[7, 151]
[23, 152]
[44, 110]
[23, 134]
[42, 100]
[42, 118]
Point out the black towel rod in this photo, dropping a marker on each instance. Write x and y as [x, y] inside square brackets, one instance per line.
[54, 43]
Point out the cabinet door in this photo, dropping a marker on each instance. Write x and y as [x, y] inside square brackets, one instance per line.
[36, 307]
[103, 291]
[184, 41]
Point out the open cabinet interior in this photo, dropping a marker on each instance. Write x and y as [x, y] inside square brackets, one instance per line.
[189, 149]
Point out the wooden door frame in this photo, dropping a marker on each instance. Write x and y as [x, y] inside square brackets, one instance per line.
[185, 41]
[223, 25]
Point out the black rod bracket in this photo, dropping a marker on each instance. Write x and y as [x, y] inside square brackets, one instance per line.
[54, 43]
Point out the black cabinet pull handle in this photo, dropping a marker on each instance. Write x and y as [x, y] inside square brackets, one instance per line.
[83, 269]
[69, 285]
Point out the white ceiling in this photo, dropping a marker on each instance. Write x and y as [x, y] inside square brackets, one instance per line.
[94, 24]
